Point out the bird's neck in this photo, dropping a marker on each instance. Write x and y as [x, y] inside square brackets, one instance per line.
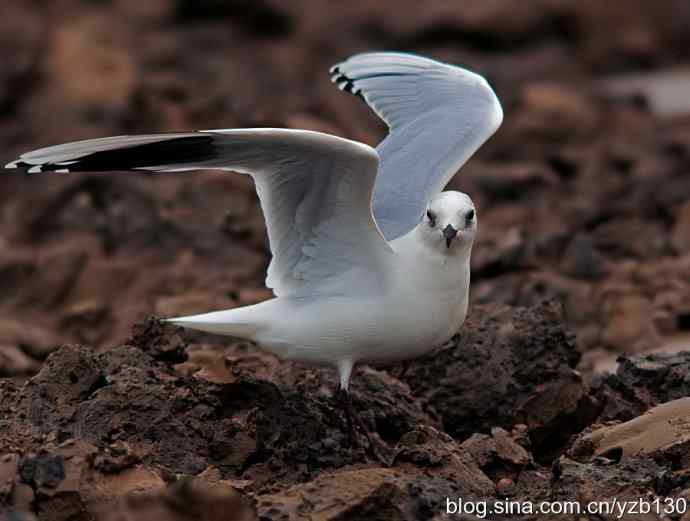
[440, 267]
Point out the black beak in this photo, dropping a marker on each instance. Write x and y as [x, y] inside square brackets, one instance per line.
[449, 233]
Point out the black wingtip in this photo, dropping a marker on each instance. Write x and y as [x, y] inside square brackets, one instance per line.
[175, 150]
[345, 83]
[341, 78]
[29, 168]
[23, 167]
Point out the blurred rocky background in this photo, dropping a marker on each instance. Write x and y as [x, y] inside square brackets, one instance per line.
[581, 272]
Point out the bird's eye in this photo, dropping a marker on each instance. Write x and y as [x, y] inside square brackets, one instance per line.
[469, 215]
[432, 218]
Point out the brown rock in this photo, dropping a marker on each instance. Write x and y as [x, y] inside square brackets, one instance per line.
[482, 21]
[629, 323]
[575, 296]
[161, 340]
[190, 303]
[146, 11]
[384, 403]
[482, 448]
[427, 448]
[514, 181]
[86, 321]
[310, 122]
[374, 493]
[106, 492]
[598, 362]
[506, 366]
[594, 481]
[36, 339]
[508, 450]
[56, 484]
[16, 271]
[248, 296]
[248, 428]
[640, 383]
[13, 361]
[60, 270]
[106, 74]
[680, 235]
[637, 238]
[501, 252]
[533, 483]
[216, 370]
[62, 483]
[22, 53]
[582, 260]
[662, 433]
[106, 277]
[531, 288]
[69, 375]
[557, 110]
[497, 454]
[186, 500]
[10, 493]
[69, 486]
[505, 486]
[237, 361]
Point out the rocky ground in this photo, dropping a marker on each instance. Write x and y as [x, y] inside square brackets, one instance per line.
[568, 380]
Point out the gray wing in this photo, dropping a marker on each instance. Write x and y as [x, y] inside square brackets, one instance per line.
[315, 191]
[438, 116]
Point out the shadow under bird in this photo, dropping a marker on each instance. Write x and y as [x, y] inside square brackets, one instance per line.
[371, 259]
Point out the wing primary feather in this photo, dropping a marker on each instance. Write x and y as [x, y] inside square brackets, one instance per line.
[345, 77]
[438, 115]
[315, 190]
[167, 150]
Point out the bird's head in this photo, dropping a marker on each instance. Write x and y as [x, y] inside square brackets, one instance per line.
[450, 222]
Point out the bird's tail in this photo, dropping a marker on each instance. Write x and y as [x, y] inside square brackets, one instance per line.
[240, 322]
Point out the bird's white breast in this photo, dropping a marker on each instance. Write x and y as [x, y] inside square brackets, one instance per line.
[423, 304]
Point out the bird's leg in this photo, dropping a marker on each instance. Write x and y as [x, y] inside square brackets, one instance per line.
[346, 402]
[344, 371]
[353, 419]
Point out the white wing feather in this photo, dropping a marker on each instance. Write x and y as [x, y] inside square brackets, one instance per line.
[315, 191]
[438, 116]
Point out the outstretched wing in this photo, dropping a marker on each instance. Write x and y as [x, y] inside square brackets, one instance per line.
[315, 191]
[438, 116]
